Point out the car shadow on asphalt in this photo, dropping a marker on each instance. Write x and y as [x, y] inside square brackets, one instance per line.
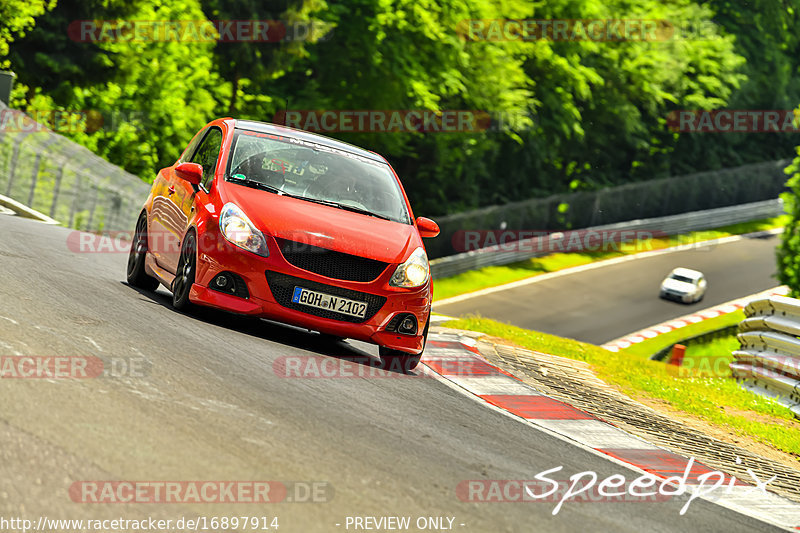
[763, 235]
[271, 331]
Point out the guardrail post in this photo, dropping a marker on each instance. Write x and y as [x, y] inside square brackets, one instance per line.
[6, 84]
[56, 190]
[36, 164]
[13, 164]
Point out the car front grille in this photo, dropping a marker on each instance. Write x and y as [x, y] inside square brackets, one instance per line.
[282, 287]
[329, 263]
[672, 295]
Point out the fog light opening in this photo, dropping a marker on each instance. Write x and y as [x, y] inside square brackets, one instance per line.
[230, 283]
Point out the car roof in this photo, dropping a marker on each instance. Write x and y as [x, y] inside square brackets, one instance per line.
[286, 131]
[687, 273]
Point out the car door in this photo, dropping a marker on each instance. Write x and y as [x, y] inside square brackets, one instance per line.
[165, 236]
[180, 194]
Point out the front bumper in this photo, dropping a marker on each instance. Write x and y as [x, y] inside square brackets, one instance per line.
[676, 297]
[266, 299]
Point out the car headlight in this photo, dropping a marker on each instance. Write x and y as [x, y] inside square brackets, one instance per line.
[237, 228]
[414, 272]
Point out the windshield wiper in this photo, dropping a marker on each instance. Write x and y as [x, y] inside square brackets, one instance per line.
[355, 209]
[257, 185]
[346, 207]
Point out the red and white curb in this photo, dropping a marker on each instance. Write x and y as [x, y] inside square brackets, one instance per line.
[454, 359]
[712, 312]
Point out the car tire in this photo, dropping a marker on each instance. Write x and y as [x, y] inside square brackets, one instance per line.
[398, 360]
[185, 275]
[136, 274]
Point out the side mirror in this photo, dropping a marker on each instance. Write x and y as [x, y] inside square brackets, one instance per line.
[427, 227]
[191, 172]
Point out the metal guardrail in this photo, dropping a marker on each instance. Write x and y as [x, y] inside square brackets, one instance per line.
[768, 361]
[659, 197]
[663, 226]
[60, 178]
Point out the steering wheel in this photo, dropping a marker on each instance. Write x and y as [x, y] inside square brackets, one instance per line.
[253, 168]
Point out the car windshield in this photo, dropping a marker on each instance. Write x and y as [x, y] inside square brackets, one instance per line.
[318, 173]
[678, 277]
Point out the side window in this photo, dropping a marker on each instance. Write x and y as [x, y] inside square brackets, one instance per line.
[207, 155]
[187, 154]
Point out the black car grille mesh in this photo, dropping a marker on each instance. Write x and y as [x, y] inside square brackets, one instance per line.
[282, 287]
[331, 264]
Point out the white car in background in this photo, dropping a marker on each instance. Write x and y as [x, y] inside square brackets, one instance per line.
[684, 285]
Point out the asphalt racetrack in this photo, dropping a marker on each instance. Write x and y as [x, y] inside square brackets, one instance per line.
[603, 304]
[207, 404]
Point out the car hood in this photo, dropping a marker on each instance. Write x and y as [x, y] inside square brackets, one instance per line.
[324, 226]
[678, 286]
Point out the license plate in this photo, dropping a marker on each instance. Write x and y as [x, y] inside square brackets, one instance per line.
[320, 300]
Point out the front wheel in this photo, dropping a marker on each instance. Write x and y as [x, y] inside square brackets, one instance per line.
[136, 274]
[402, 361]
[184, 277]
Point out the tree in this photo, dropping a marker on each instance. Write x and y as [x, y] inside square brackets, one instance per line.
[152, 94]
[16, 17]
[788, 252]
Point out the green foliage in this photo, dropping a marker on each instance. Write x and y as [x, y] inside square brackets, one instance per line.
[567, 115]
[143, 100]
[788, 253]
[766, 36]
[16, 17]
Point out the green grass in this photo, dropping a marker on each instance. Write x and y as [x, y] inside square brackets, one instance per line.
[717, 400]
[711, 359]
[498, 275]
[649, 347]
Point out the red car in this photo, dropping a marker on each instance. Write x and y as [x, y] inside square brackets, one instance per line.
[265, 220]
